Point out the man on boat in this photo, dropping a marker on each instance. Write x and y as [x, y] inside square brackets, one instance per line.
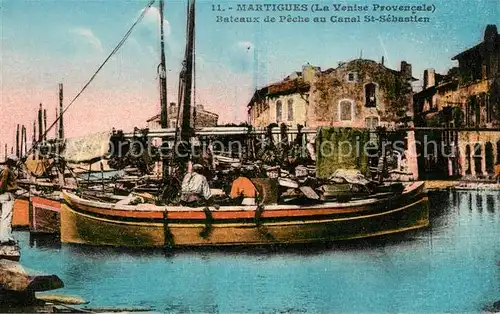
[195, 189]
[8, 186]
[243, 188]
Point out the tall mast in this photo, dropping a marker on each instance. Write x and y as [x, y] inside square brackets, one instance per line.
[45, 124]
[22, 142]
[163, 74]
[25, 141]
[61, 123]
[40, 124]
[18, 136]
[188, 74]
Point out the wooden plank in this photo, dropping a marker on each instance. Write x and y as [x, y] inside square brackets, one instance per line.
[117, 309]
[309, 192]
[61, 299]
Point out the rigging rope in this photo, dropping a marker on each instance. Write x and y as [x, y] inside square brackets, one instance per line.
[113, 52]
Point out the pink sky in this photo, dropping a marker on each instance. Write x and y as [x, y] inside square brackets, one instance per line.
[44, 43]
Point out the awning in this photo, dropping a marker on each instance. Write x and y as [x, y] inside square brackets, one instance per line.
[86, 149]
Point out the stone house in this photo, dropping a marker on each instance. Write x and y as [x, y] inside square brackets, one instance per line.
[201, 117]
[465, 103]
[282, 102]
[360, 93]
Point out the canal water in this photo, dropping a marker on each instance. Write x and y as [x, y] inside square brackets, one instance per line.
[454, 266]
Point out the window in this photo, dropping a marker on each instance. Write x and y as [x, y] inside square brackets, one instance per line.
[488, 150]
[371, 122]
[351, 77]
[489, 109]
[345, 109]
[278, 110]
[472, 111]
[290, 109]
[370, 97]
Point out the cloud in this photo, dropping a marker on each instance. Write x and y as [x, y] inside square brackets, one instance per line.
[152, 18]
[241, 56]
[89, 36]
[246, 45]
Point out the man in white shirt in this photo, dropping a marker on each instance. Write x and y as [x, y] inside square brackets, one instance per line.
[195, 186]
[8, 187]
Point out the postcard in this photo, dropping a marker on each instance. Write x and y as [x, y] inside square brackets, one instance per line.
[245, 156]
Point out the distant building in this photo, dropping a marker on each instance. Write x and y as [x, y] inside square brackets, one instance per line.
[360, 93]
[283, 102]
[468, 89]
[465, 100]
[200, 116]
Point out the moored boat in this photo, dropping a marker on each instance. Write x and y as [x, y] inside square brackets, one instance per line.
[146, 225]
[44, 216]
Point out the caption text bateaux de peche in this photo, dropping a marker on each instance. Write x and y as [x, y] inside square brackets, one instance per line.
[231, 12]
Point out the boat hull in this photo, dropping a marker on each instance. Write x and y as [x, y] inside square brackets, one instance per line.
[85, 225]
[86, 229]
[44, 216]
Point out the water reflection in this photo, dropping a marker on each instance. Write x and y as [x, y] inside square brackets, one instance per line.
[450, 267]
[48, 241]
[490, 203]
[479, 202]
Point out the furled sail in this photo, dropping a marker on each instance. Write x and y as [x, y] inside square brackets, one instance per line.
[87, 149]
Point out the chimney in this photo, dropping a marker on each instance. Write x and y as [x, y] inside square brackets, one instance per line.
[308, 72]
[382, 61]
[406, 70]
[429, 78]
[490, 33]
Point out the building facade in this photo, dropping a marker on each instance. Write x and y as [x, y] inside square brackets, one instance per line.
[282, 102]
[200, 118]
[465, 105]
[360, 93]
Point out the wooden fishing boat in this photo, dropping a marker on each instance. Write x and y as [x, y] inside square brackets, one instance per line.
[44, 216]
[146, 225]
